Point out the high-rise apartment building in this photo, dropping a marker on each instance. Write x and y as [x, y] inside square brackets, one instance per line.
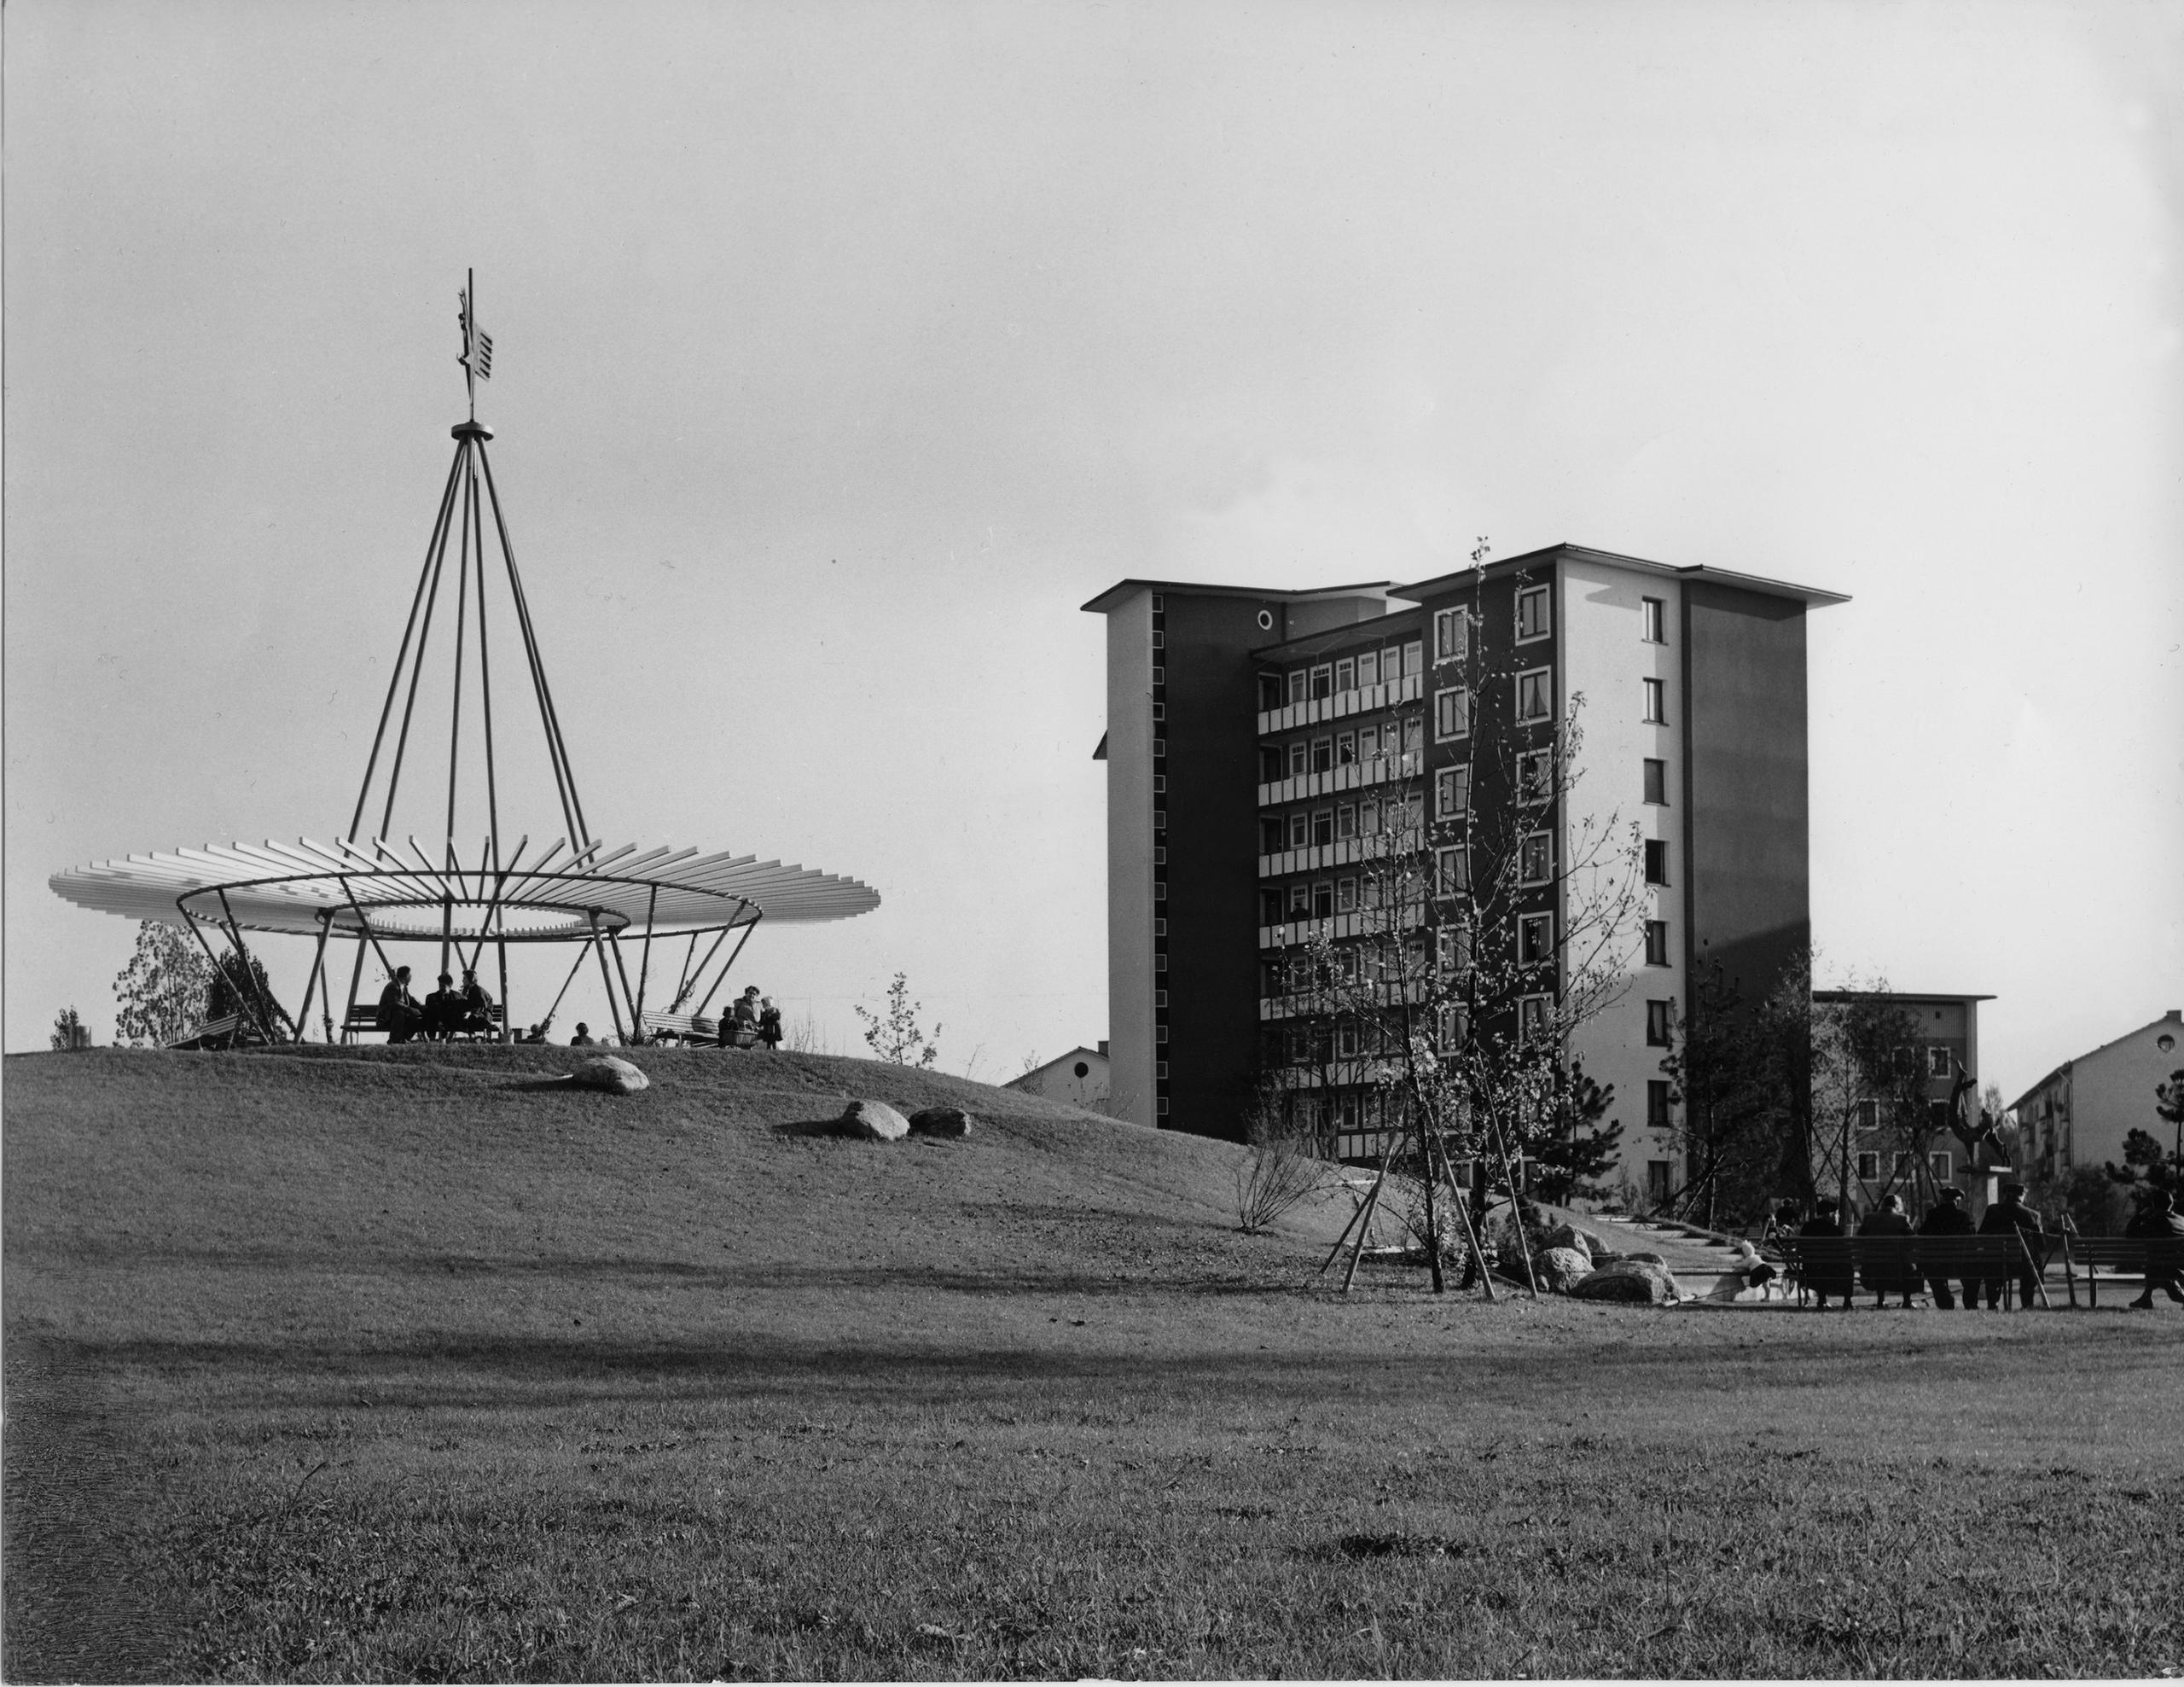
[1254, 736]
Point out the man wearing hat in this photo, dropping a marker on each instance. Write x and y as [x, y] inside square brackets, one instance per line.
[1833, 1275]
[1947, 1217]
[2161, 1227]
[2010, 1216]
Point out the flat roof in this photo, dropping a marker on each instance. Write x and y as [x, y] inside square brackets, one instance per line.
[1811, 596]
[1107, 599]
[1896, 996]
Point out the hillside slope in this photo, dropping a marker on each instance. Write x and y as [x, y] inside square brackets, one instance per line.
[459, 1189]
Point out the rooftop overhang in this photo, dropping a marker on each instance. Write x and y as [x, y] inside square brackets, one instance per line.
[1440, 584]
[1122, 590]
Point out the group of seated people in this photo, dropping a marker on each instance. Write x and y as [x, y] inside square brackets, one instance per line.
[444, 1015]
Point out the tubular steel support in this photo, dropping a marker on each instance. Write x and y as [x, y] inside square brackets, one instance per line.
[317, 969]
[731, 966]
[565, 983]
[614, 942]
[644, 966]
[247, 986]
[605, 977]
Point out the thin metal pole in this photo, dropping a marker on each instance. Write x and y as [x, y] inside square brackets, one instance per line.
[548, 713]
[455, 712]
[730, 967]
[605, 977]
[394, 680]
[248, 985]
[493, 776]
[690, 979]
[355, 978]
[317, 967]
[364, 926]
[418, 667]
[218, 971]
[564, 989]
[614, 942]
[644, 966]
[682, 978]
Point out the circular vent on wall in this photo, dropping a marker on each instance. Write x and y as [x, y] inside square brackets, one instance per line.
[1266, 621]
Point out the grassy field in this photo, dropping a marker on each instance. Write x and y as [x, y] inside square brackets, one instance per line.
[400, 1364]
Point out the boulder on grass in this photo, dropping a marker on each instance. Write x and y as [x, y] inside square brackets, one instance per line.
[940, 1121]
[873, 1121]
[1644, 1257]
[616, 1077]
[1581, 1241]
[1560, 1269]
[1635, 1282]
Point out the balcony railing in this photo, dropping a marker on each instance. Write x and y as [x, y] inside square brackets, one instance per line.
[1305, 1003]
[1361, 922]
[1341, 705]
[1348, 776]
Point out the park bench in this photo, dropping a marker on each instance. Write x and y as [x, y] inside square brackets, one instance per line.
[692, 1028]
[364, 1016]
[1865, 1262]
[2138, 1258]
[227, 1031]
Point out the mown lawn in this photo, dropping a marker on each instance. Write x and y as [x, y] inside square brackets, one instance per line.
[390, 1368]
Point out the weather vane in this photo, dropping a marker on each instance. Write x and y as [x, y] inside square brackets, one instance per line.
[477, 358]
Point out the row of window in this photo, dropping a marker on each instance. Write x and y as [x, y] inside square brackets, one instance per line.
[1301, 756]
[1316, 827]
[1381, 666]
[1456, 711]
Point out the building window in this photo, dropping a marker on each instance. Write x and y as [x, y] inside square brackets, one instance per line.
[1159, 745]
[1345, 748]
[1159, 676]
[1452, 792]
[1414, 658]
[1535, 776]
[1454, 944]
[1655, 622]
[1455, 1027]
[1534, 939]
[1657, 943]
[1324, 899]
[1535, 1017]
[1159, 639]
[1657, 1181]
[1532, 613]
[1300, 830]
[1656, 702]
[1346, 821]
[1536, 858]
[1159, 713]
[1274, 835]
[1657, 1025]
[1298, 681]
[1452, 871]
[1368, 668]
[1160, 1033]
[1939, 1059]
[1939, 1165]
[1323, 827]
[1346, 674]
[1159, 819]
[1300, 760]
[1657, 1103]
[1346, 896]
[1535, 694]
[1270, 692]
[1901, 1166]
[1300, 900]
[1657, 862]
[1159, 784]
[1322, 680]
[1160, 928]
[1657, 782]
[1160, 856]
[1159, 963]
[1451, 635]
[1322, 755]
[1868, 1115]
[1868, 1166]
[1345, 1041]
[1413, 735]
[1452, 713]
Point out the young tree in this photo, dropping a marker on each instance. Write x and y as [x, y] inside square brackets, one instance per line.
[160, 994]
[1571, 1159]
[895, 1035]
[69, 1031]
[1490, 919]
[1868, 1087]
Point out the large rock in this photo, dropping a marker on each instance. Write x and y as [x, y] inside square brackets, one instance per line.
[1581, 1241]
[1638, 1282]
[940, 1121]
[605, 1072]
[873, 1121]
[1560, 1269]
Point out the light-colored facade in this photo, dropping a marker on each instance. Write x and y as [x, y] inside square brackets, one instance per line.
[2080, 1112]
[1079, 1078]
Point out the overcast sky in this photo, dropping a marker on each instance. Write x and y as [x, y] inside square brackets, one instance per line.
[843, 350]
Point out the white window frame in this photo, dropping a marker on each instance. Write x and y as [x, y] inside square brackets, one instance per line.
[1542, 595]
[1300, 830]
[1346, 895]
[1451, 635]
[1300, 759]
[1546, 841]
[1661, 762]
[1653, 620]
[1661, 927]
[1452, 791]
[1443, 708]
[1413, 658]
[1345, 748]
[1363, 657]
[1319, 744]
[1942, 1165]
[1545, 677]
[1540, 789]
[1532, 948]
[1940, 1058]
[1322, 670]
[1535, 1018]
[1657, 701]
[1646, 861]
[1343, 664]
[1453, 950]
[1868, 1165]
[1451, 870]
[1345, 821]
[1667, 1017]
[1318, 815]
[1299, 686]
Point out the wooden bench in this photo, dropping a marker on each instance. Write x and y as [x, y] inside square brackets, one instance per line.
[692, 1028]
[225, 1032]
[364, 1016]
[2147, 1259]
[1831, 1263]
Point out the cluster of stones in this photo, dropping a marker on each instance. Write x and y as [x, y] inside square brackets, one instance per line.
[1577, 1263]
[877, 1122]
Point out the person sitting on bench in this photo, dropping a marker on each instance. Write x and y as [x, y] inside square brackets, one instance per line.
[2010, 1214]
[476, 1006]
[739, 1024]
[443, 1011]
[1886, 1264]
[399, 1015]
[2158, 1225]
[1833, 1277]
[1947, 1217]
[583, 1038]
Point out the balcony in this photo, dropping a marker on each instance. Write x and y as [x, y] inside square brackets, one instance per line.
[1350, 776]
[1364, 922]
[1305, 1003]
[1362, 700]
[1342, 853]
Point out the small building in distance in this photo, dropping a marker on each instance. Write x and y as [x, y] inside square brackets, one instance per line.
[2080, 1112]
[1949, 1039]
[1079, 1078]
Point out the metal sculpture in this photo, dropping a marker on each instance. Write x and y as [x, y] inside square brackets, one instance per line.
[376, 890]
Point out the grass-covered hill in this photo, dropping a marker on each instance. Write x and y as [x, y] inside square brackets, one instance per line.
[411, 1364]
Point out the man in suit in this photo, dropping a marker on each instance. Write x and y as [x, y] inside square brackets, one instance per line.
[1947, 1218]
[2010, 1216]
